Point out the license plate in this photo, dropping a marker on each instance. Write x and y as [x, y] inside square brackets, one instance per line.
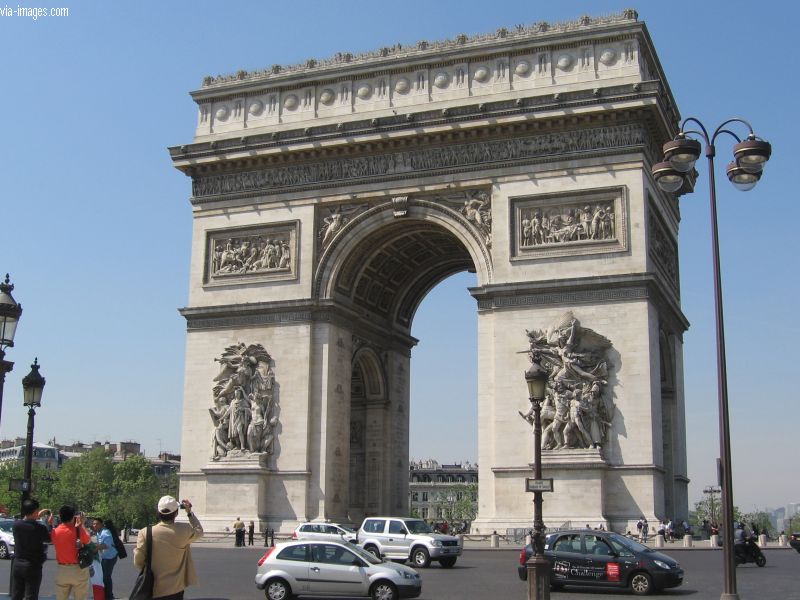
[446, 551]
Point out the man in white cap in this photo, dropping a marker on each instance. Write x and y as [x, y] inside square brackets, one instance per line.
[173, 569]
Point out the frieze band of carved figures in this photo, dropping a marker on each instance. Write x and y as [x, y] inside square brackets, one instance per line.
[245, 411]
[577, 411]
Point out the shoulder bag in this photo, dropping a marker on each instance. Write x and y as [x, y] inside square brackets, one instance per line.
[119, 546]
[85, 552]
[143, 587]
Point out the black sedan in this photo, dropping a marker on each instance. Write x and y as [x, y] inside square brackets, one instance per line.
[794, 541]
[604, 559]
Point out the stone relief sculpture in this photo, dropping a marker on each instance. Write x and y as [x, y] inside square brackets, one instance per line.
[250, 254]
[245, 403]
[576, 412]
[566, 224]
[335, 221]
[476, 206]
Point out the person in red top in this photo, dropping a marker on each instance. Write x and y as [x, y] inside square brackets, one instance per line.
[70, 578]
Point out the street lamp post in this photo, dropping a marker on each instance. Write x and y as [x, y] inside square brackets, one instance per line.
[32, 386]
[538, 566]
[711, 490]
[10, 312]
[750, 155]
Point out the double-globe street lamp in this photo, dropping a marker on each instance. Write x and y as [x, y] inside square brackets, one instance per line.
[538, 566]
[32, 386]
[749, 157]
[10, 313]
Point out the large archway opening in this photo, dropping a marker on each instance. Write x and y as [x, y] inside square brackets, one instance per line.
[384, 277]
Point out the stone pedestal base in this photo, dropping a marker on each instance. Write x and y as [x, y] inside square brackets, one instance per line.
[577, 500]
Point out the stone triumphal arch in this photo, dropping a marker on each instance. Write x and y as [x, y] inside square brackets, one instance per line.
[329, 197]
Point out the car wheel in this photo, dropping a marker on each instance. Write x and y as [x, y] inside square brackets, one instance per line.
[761, 560]
[383, 590]
[448, 562]
[373, 550]
[641, 583]
[420, 557]
[3, 550]
[277, 589]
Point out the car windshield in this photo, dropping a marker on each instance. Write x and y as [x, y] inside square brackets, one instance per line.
[370, 558]
[418, 526]
[628, 543]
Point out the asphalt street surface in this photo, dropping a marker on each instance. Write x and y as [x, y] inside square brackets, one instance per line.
[228, 573]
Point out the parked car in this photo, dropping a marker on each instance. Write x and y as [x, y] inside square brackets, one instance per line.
[6, 538]
[604, 559]
[324, 531]
[408, 539]
[794, 540]
[308, 568]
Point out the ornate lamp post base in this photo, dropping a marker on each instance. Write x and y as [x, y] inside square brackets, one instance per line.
[538, 578]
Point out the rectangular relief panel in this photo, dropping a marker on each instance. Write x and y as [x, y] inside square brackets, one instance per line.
[251, 254]
[569, 223]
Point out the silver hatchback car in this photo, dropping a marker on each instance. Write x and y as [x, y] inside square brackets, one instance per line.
[324, 532]
[308, 568]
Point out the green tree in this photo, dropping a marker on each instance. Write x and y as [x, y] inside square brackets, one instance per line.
[86, 482]
[45, 482]
[456, 502]
[135, 491]
[710, 509]
[760, 519]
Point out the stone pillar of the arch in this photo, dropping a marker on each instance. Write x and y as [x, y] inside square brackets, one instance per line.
[680, 481]
[329, 422]
[627, 480]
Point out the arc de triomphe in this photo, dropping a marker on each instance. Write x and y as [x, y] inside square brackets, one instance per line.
[329, 197]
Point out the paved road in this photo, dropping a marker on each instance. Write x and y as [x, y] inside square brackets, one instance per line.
[227, 574]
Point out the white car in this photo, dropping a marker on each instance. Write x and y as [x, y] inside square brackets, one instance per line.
[330, 532]
[6, 538]
[309, 568]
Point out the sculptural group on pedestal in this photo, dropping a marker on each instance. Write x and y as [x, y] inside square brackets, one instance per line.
[575, 411]
[244, 411]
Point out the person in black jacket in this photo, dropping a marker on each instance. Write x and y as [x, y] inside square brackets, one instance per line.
[30, 537]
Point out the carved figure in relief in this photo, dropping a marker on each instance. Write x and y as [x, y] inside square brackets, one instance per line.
[333, 224]
[250, 254]
[244, 402]
[577, 410]
[568, 224]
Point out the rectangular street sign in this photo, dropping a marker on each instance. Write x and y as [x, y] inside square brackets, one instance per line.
[538, 485]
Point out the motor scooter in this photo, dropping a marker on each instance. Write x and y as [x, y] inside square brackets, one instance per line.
[749, 552]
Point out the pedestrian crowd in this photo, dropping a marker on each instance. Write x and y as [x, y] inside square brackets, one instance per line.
[87, 550]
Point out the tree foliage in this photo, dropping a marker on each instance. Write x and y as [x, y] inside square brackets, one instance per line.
[710, 509]
[457, 502]
[126, 492]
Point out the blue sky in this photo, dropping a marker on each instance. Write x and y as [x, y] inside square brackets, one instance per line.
[96, 224]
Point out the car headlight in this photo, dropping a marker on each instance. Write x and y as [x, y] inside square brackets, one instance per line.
[662, 564]
[407, 575]
[436, 543]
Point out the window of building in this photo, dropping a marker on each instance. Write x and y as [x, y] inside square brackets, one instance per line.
[424, 513]
[414, 496]
[424, 496]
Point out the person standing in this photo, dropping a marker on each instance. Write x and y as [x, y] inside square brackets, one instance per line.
[171, 562]
[108, 554]
[251, 530]
[70, 578]
[30, 552]
[238, 532]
